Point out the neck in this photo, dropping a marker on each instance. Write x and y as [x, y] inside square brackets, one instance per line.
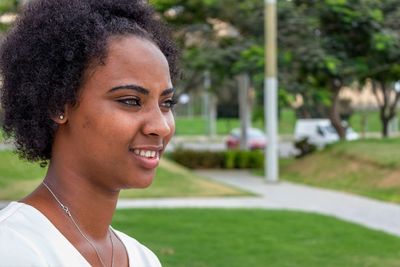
[92, 207]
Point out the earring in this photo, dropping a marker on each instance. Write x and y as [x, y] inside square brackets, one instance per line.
[61, 117]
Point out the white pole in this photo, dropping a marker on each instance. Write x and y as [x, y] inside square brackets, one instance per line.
[270, 93]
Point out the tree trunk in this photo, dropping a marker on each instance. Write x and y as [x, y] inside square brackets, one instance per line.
[385, 128]
[334, 115]
[387, 108]
[213, 116]
[244, 114]
[210, 106]
[363, 121]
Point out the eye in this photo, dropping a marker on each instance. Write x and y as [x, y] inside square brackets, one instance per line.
[130, 101]
[169, 104]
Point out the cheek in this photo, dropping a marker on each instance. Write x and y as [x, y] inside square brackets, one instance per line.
[171, 123]
[86, 123]
[119, 128]
[105, 128]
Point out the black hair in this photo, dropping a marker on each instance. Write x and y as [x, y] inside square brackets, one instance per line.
[44, 56]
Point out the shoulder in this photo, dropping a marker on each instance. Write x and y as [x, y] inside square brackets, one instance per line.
[139, 255]
[16, 248]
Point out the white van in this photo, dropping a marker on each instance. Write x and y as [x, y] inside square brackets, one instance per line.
[320, 132]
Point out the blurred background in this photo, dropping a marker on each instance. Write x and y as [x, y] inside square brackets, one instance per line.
[338, 97]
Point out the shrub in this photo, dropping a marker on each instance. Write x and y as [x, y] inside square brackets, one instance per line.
[304, 147]
[229, 159]
[233, 159]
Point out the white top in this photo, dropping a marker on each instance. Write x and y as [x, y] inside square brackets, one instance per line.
[28, 238]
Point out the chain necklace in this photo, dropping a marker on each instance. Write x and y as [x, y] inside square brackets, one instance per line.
[66, 210]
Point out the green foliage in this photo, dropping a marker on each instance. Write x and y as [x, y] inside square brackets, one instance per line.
[304, 147]
[233, 159]
[238, 238]
[249, 159]
[331, 63]
[198, 159]
[230, 157]
[251, 60]
[323, 46]
[204, 50]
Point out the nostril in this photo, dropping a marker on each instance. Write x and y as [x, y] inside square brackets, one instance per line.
[160, 126]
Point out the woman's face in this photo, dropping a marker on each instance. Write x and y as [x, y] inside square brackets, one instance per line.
[123, 119]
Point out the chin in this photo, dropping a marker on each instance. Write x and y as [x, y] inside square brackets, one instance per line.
[141, 182]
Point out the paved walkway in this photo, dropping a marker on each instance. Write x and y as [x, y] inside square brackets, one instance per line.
[370, 213]
[284, 195]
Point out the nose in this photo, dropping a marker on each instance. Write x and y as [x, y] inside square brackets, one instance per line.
[157, 123]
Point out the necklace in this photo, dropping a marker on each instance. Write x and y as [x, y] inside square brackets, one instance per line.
[66, 210]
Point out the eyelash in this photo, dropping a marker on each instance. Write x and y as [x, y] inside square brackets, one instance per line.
[128, 101]
[170, 103]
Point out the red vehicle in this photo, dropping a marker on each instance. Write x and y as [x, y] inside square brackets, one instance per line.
[256, 139]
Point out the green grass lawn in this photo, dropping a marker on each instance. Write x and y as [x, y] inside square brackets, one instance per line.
[256, 238]
[6, 5]
[366, 167]
[1, 135]
[373, 123]
[230, 237]
[198, 125]
[18, 178]
[172, 180]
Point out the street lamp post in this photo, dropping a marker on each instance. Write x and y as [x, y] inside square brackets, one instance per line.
[270, 92]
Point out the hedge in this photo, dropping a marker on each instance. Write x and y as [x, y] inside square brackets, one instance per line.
[232, 159]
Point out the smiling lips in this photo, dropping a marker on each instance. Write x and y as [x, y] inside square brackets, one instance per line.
[147, 158]
[145, 153]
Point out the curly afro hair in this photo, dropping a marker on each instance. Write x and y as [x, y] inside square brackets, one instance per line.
[44, 57]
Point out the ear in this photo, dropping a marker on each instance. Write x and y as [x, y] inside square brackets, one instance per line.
[61, 117]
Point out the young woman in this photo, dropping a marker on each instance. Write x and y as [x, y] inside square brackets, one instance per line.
[87, 90]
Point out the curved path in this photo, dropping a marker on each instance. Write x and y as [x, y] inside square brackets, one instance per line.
[284, 195]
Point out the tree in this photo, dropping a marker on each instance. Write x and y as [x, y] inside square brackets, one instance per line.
[335, 42]
[211, 42]
[384, 63]
[323, 46]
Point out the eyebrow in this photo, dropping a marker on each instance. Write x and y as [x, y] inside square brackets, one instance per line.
[141, 89]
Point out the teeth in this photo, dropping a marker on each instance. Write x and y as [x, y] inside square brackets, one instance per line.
[145, 153]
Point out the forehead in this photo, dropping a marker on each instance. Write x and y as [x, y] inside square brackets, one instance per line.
[132, 59]
[130, 47]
